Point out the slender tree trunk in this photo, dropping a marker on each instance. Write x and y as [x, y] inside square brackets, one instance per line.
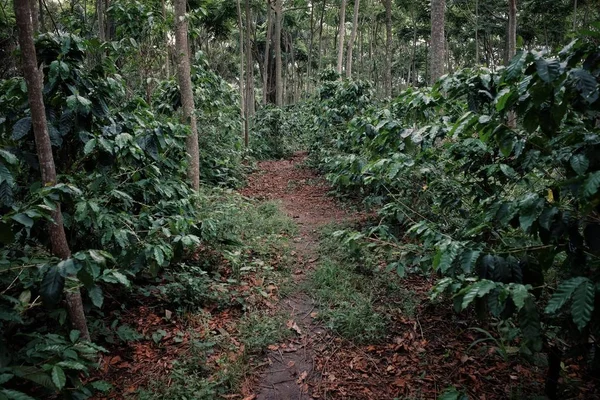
[187, 96]
[310, 46]
[414, 50]
[100, 15]
[35, 15]
[388, 48]
[321, 36]
[342, 28]
[56, 230]
[267, 53]
[167, 46]
[249, 74]
[512, 29]
[277, 44]
[476, 32]
[243, 95]
[352, 39]
[512, 49]
[438, 10]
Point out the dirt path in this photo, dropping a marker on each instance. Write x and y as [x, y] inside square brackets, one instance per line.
[303, 195]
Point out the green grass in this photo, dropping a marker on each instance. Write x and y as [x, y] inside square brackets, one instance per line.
[254, 240]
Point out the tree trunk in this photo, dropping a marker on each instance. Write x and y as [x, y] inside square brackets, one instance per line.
[56, 230]
[512, 29]
[277, 44]
[267, 53]
[249, 75]
[35, 15]
[438, 10]
[100, 14]
[310, 46]
[187, 97]
[512, 49]
[321, 36]
[476, 32]
[388, 48]
[352, 39]
[342, 28]
[243, 94]
[168, 51]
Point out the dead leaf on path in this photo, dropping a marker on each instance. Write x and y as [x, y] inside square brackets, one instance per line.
[251, 397]
[302, 377]
[291, 364]
[273, 347]
[291, 324]
[314, 314]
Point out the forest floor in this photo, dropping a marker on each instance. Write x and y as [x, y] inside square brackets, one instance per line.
[369, 335]
[295, 315]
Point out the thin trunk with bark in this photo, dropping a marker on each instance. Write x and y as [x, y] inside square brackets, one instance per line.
[438, 11]
[267, 53]
[249, 74]
[277, 44]
[100, 14]
[321, 35]
[342, 30]
[388, 48]
[184, 76]
[352, 39]
[512, 49]
[243, 98]
[33, 79]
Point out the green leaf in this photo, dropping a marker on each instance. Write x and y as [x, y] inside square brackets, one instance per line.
[96, 295]
[52, 285]
[74, 335]
[89, 146]
[586, 85]
[58, 377]
[478, 289]
[159, 256]
[583, 304]
[579, 163]
[23, 220]
[530, 209]
[8, 157]
[72, 365]
[519, 294]
[529, 322]
[548, 70]
[515, 68]
[563, 294]
[547, 217]
[5, 378]
[21, 128]
[15, 395]
[468, 259]
[591, 184]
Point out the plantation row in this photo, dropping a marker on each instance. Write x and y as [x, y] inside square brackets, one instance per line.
[491, 179]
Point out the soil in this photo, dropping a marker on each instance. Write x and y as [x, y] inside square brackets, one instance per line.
[303, 196]
[425, 351]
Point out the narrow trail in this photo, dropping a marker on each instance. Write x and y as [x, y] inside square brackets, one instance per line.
[303, 195]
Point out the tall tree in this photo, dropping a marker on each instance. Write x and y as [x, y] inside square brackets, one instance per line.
[100, 14]
[342, 27]
[35, 15]
[243, 97]
[267, 53]
[184, 76]
[33, 79]
[438, 16]
[388, 47]
[352, 39]
[249, 68]
[277, 44]
[512, 28]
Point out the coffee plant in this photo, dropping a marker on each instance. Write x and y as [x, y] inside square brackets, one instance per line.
[490, 179]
